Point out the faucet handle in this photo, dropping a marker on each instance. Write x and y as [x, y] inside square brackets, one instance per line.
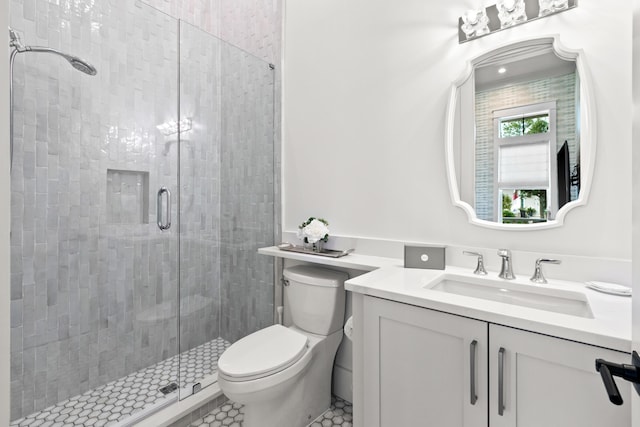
[547, 261]
[504, 253]
[538, 277]
[480, 266]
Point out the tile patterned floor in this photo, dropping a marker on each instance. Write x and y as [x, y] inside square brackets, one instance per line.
[229, 414]
[201, 361]
[339, 414]
[117, 400]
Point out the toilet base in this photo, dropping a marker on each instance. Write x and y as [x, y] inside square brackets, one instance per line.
[306, 398]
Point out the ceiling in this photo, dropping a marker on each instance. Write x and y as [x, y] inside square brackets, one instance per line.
[521, 68]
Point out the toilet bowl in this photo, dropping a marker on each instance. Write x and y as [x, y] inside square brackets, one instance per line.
[282, 375]
[289, 395]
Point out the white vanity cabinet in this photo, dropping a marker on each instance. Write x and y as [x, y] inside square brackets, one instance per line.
[551, 382]
[418, 365]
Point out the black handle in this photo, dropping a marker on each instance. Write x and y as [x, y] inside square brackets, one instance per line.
[628, 372]
[609, 385]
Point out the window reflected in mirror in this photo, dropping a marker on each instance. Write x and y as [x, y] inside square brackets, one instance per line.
[524, 163]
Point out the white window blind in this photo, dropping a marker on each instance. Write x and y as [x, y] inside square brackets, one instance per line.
[524, 165]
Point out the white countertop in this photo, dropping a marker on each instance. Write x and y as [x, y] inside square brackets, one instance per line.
[610, 327]
[387, 278]
[353, 260]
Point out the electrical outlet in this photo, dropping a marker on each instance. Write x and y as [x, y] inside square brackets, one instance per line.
[424, 256]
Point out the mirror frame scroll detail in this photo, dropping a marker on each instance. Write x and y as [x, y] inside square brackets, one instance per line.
[588, 133]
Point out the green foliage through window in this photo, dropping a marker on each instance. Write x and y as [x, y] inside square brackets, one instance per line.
[524, 126]
[506, 202]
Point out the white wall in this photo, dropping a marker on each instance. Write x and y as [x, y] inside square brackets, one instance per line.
[635, 405]
[5, 214]
[366, 86]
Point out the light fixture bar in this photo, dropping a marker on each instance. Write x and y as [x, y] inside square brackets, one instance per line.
[474, 24]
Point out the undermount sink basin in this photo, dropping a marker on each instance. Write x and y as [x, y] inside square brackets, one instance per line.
[531, 296]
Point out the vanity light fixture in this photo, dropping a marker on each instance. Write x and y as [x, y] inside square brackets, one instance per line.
[475, 23]
[547, 7]
[511, 12]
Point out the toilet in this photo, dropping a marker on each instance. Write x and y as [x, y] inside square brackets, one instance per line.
[282, 375]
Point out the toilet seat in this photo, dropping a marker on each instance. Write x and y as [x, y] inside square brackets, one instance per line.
[263, 353]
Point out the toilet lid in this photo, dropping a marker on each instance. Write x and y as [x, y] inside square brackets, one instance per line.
[263, 353]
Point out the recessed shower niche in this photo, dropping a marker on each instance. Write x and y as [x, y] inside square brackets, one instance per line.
[127, 197]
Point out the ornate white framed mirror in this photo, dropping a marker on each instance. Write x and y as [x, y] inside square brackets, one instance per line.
[521, 135]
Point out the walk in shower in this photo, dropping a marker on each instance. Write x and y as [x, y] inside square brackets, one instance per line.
[140, 196]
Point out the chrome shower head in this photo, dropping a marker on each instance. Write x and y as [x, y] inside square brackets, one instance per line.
[83, 66]
[77, 63]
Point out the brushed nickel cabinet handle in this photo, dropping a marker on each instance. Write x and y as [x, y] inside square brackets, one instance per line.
[472, 355]
[501, 405]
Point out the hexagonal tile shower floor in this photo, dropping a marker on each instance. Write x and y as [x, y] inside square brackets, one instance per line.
[118, 400]
[339, 414]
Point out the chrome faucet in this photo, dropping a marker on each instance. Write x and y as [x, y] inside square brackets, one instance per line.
[480, 266]
[506, 272]
[538, 277]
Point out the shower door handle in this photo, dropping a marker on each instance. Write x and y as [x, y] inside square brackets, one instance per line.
[164, 225]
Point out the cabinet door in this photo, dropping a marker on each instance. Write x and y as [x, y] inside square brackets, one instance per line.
[551, 382]
[417, 367]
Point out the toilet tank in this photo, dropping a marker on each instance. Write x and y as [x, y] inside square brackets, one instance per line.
[316, 298]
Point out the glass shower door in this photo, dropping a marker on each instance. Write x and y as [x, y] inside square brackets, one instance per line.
[200, 342]
[248, 193]
[226, 200]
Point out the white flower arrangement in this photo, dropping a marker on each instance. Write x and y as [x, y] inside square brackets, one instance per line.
[313, 230]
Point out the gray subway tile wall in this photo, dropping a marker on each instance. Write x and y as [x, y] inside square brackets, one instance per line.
[251, 25]
[94, 290]
[203, 14]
